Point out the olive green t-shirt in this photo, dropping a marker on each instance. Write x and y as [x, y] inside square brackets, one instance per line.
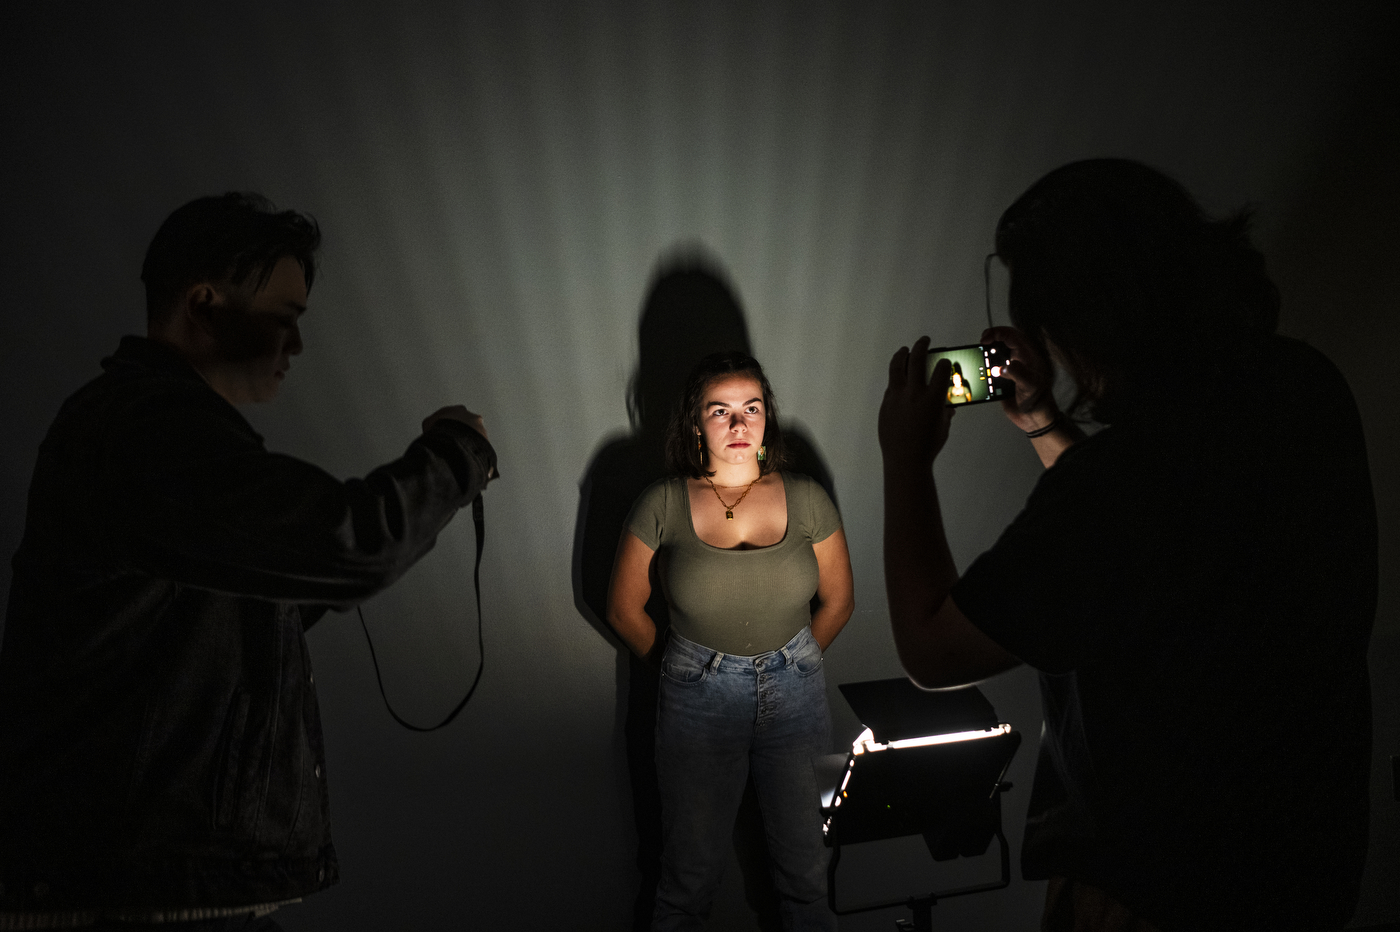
[736, 601]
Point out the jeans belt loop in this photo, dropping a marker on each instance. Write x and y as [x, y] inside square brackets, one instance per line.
[714, 663]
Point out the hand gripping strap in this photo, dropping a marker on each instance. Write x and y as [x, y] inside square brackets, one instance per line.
[479, 519]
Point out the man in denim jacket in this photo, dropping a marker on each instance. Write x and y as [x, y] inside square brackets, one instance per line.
[162, 754]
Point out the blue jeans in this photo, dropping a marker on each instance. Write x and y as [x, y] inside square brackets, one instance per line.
[718, 715]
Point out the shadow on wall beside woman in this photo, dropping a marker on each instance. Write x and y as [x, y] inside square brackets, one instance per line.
[690, 312]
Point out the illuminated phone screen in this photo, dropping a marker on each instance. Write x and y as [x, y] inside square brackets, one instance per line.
[976, 371]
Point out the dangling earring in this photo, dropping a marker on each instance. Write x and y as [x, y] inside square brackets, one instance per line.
[762, 453]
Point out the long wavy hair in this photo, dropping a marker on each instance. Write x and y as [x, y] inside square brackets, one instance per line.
[687, 458]
[1118, 267]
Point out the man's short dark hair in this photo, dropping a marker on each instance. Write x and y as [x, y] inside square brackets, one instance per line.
[228, 239]
[684, 455]
[1141, 291]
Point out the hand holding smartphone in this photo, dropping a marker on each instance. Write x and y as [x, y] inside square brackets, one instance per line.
[976, 373]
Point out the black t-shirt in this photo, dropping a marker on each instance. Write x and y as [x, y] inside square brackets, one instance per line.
[1197, 590]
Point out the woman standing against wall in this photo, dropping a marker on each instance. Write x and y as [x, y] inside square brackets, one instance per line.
[740, 548]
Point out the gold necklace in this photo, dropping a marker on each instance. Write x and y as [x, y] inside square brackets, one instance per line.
[729, 509]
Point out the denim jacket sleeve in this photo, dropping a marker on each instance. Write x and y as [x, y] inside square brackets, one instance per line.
[196, 498]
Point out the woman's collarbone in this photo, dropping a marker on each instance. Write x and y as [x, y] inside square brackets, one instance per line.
[752, 532]
[758, 521]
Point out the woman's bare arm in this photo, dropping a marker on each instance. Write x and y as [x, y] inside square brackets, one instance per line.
[836, 591]
[628, 594]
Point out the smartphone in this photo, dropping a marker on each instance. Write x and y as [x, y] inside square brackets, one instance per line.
[977, 372]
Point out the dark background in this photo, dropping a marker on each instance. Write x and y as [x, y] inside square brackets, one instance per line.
[502, 185]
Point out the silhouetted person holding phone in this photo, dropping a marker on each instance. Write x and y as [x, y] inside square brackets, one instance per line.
[162, 760]
[1196, 581]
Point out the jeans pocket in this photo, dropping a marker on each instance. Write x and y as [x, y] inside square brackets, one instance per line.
[682, 668]
[807, 657]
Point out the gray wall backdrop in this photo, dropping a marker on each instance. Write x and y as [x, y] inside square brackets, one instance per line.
[499, 183]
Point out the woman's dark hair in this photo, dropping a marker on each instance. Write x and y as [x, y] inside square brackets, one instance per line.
[683, 455]
[230, 238]
[1117, 265]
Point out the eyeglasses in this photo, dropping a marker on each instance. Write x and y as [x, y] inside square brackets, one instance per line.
[987, 285]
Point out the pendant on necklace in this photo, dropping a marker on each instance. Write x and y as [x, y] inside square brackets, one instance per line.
[729, 516]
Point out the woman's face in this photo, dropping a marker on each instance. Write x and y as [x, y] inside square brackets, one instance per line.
[733, 419]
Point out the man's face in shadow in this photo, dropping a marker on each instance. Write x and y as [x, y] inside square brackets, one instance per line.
[256, 334]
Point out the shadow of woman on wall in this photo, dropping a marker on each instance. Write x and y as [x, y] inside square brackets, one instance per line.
[690, 311]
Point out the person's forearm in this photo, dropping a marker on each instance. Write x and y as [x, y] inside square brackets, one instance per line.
[919, 568]
[1049, 446]
[828, 620]
[203, 504]
[937, 645]
[636, 630]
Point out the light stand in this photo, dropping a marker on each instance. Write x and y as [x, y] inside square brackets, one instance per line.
[928, 763]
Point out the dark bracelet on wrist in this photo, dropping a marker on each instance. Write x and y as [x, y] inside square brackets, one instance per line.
[1042, 431]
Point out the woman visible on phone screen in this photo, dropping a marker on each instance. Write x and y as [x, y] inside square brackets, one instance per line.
[739, 547]
[959, 392]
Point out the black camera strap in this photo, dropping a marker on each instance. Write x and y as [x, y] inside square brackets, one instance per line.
[478, 519]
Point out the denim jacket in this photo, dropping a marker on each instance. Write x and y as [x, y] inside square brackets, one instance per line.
[160, 742]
